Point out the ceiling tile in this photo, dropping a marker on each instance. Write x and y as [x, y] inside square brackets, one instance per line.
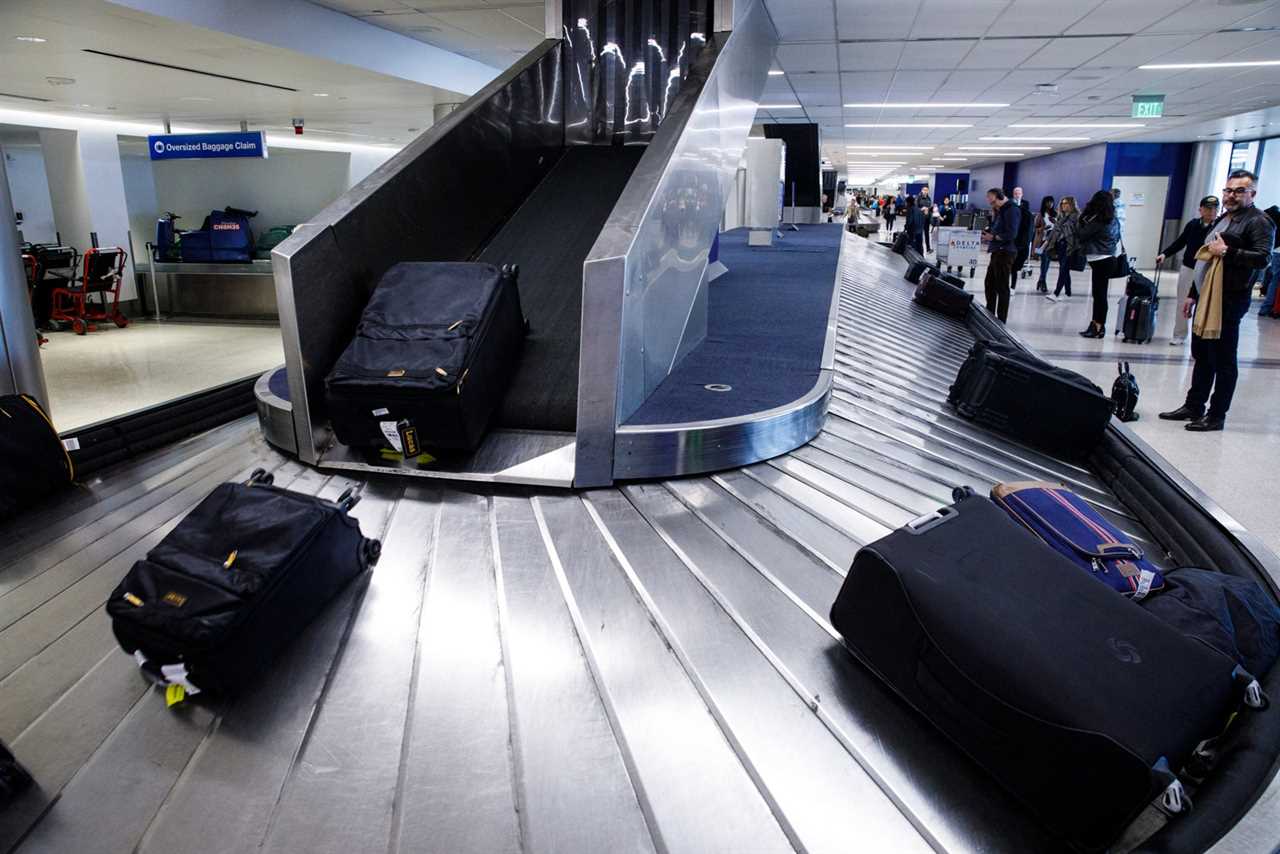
[1203, 16]
[807, 57]
[1004, 53]
[875, 19]
[1069, 53]
[950, 18]
[869, 55]
[811, 21]
[1040, 17]
[929, 54]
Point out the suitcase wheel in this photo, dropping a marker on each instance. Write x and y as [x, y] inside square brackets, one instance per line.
[261, 477]
[372, 551]
[349, 498]
[960, 493]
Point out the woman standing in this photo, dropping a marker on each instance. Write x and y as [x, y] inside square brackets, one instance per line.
[1098, 235]
[1064, 244]
[1044, 228]
[889, 213]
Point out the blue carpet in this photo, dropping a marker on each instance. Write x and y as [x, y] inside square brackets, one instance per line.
[766, 324]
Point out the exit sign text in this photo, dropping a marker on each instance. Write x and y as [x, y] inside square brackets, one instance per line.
[1147, 106]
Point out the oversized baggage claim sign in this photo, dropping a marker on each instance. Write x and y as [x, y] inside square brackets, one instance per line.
[180, 146]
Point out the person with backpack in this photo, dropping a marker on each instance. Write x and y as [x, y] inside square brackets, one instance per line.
[1098, 236]
[1044, 228]
[913, 223]
[1063, 238]
[1189, 242]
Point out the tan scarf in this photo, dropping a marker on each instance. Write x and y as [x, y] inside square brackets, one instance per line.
[1208, 320]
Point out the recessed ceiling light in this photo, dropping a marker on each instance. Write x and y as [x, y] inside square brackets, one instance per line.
[916, 125]
[194, 98]
[319, 94]
[1078, 125]
[1034, 138]
[30, 39]
[954, 158]
[1174, 66]
[905, 105]
[85, 106]
[60, 81]
[890, 147]
[773, 72]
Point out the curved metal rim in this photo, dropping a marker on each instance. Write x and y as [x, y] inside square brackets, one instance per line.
[819, 390]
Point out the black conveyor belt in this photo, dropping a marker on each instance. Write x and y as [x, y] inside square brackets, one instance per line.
[549, 236]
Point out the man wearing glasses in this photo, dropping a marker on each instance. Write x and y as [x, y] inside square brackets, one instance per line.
[1242, 239]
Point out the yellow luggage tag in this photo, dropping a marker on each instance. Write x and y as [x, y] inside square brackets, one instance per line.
[173, 695]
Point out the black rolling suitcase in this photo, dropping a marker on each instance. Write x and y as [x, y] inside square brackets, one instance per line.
[1002, 387]
[431, 359]
[1077, 701]
[218, 598]
[939, 294]
[900, 242]
[1139, 321]
[33, 461]
[917, 269]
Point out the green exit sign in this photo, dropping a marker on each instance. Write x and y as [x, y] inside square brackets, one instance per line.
[1147, 106]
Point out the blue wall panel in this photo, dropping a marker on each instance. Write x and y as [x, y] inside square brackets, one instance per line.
[1172, 159]
[944, 183]
[984, 178]
[1078, 172]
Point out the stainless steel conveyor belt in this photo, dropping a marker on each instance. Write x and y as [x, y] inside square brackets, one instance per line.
[646, 668]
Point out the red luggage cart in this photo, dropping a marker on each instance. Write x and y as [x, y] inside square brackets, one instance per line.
[101, 272]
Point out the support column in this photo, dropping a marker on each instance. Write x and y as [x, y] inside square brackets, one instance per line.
[20, 368]
[86, 187]
[1210, 162]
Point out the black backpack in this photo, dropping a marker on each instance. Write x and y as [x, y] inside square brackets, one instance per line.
[1124, 393]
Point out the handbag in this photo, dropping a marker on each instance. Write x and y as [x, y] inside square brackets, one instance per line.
[1077, 262]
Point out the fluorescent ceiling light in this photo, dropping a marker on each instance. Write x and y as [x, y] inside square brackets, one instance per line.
[773, 72]
[887, 147]
[319, 94]
[951, 157]
[1171, 66]
[1034, 138]
[983, 155]
[916, 125]
[999, 148]
[31, 39]
[779, 106]
[903, 105]
[1078, 125]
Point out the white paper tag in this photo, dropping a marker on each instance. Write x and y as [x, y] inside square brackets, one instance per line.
[390, 431]
[378, 413]
[71, 444]
[1145, 579]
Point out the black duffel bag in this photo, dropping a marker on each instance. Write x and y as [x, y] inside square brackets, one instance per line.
[33, 461]
[1005, 388]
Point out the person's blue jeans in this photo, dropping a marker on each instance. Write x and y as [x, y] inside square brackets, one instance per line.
[1271, 282]
[1045, 261]
[1215, 367]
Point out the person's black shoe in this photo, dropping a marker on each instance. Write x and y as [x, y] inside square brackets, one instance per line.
[1206, 424]
[1094, 331]
[1182, 413]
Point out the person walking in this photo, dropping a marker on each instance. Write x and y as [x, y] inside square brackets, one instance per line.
[1064, 244]
[1189, 242]
[1003, 235]
[1022, 248]
[1098, 236]
[1044, 228]
[925, 204]
[1227, 265]
[889, 214]
[913, 223]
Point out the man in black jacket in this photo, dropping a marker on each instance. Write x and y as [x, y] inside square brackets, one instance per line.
[1003, 234]
[1022, 249]
[1189, 242]
[1242, 237]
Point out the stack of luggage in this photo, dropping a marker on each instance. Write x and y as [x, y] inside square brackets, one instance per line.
[225, 236]
[1136, 312]
[988, 618]
[433, 354]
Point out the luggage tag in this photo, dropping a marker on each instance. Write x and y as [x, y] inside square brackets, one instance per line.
[408, 438]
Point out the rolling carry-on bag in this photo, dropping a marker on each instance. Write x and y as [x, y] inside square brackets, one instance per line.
[431, 359]
[1003, 387]
[33, 461]
[1072, 528]
[222, 594]
[917, 269]
[1079, 703]
[1139, 320]
[937, 293]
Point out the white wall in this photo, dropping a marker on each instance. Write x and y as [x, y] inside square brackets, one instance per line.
[363, 162]
[1268, 174]
[288, 187]
[29, 187]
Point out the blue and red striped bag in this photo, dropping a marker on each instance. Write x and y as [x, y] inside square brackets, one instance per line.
[1067, 523]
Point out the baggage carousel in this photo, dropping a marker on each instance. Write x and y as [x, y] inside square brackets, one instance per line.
[647, 667]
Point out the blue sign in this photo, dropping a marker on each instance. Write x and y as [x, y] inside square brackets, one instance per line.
[179, 146]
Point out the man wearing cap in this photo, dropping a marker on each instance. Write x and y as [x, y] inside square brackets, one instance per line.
[1227, 266]
[1190, 241]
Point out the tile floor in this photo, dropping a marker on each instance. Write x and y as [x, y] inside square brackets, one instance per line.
[114, 371]
[1237, 467]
